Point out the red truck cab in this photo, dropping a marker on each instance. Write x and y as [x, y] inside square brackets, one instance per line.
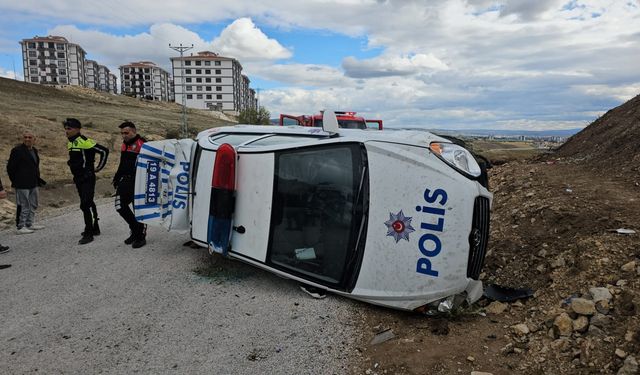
[346, 120]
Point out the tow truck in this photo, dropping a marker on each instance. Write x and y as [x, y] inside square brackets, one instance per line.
[346, 120]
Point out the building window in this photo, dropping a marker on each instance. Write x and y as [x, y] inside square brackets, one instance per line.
[198, 63]
[187, 63]
[147, 77]
[31, 45]
[146, 70]
[147, 91]
[218, 71]
[207, 80]
[52, 45]
[189, 96]
[198, 88]
[33, 62]
[126, 76]
[60, 47]
[61, 55]
[218, 88]
[208, 96]
[199, 80]
[199, 96]
[188, 71]
[63, 80]
[34, 79]
[208, 88]
[127, 83]
[147, 84]
[217, 63]
[207, 63]
[41, 44]
[62, 72]
[33, 54]
[189, 88]
[207, 71]
[218, 80]
[126, 70]
[218, 96]
[62, 63]
[33, 70]
[198, 71]
[188, 80]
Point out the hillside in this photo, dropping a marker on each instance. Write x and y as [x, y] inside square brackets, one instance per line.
[42, 109]
[611, 143]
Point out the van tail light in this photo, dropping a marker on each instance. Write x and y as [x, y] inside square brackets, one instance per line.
[221, 206]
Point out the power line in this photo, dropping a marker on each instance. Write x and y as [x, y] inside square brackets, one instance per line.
[182, 49]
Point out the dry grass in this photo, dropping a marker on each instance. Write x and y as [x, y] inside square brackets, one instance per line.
[42, 109]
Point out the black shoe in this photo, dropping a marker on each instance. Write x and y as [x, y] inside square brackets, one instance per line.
[4, 249]
[139, 242]
[85, 239]
[130, 239]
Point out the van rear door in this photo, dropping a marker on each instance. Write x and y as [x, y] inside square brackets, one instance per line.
[163, 180]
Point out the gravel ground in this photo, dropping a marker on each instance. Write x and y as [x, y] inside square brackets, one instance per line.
[107, 308]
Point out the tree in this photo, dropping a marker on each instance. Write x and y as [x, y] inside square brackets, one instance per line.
[254, 117]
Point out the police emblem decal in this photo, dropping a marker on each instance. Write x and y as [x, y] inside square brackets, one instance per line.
[399, 226]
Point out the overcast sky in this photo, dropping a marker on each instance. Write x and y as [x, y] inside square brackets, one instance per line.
[511, 64]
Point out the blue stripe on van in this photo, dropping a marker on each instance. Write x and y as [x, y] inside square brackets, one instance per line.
[149, 216]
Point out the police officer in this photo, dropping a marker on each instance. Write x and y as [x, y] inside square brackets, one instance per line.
[124, 182]
[82, 155]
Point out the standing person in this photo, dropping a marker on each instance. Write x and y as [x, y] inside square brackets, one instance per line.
[3, 195]
[23, 168]
[124, 182]
[82, 154]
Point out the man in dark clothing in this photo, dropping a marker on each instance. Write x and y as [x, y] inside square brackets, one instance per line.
[3, 195]
[82, 155]
[124, 182]
[23, 169]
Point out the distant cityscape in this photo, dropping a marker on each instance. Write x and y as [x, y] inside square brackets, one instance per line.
[204, 80]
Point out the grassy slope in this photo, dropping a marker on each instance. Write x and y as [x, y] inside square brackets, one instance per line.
[42, 109]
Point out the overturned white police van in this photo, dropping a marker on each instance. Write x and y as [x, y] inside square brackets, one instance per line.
[393, 218]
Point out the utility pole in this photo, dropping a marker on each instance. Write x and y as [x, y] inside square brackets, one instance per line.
[181, 49]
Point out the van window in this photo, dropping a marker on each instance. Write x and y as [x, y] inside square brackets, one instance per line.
[317, 212]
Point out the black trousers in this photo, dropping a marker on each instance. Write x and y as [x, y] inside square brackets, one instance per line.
[124, 198]
[86, 186]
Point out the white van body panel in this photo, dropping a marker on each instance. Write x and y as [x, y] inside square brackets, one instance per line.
[253, 205]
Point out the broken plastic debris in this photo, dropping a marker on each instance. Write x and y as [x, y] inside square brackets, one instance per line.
[506, 294]
[623, 231]
[446, 305]
[383, 336]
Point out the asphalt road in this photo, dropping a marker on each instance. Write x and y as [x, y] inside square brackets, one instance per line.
[107, 308]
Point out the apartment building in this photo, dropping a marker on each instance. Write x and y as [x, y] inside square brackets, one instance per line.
[209, 81]
[91, 74]
[103, 78]
[113, 83]
[144, 79]
[53, 60]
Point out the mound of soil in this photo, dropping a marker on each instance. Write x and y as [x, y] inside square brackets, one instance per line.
[610, 144]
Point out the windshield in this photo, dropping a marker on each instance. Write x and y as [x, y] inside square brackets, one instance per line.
[345, 124]
[318, 210]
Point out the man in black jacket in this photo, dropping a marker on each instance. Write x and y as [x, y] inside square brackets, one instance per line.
[124, 182]
[23, 169]
[82, 155]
